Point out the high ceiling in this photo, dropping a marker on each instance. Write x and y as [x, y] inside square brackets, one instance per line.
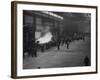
[76, 21]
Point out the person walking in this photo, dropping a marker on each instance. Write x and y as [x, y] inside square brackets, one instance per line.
[67, 43]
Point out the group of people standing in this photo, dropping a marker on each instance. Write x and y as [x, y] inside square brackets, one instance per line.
[62, 42]
[57, 43]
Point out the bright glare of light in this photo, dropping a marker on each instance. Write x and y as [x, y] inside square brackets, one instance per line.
[45, 39]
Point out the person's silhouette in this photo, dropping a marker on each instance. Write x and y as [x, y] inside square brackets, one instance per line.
[86, 61]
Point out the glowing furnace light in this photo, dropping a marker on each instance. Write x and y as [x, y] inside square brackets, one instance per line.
[45, 39]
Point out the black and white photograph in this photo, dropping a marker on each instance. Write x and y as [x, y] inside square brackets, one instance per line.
[56, 39]
[53, 39]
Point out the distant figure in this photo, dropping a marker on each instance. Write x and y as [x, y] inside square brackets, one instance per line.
[58, 44]
[42, 47]
[35, 48]
[67, 43]
[86, 61]
[38, 67]
[63, 41]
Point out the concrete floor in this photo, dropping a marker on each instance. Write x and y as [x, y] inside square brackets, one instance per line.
[52, 58]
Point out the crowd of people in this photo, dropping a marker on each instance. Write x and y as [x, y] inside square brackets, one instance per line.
[60, 41]
[57, 43]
